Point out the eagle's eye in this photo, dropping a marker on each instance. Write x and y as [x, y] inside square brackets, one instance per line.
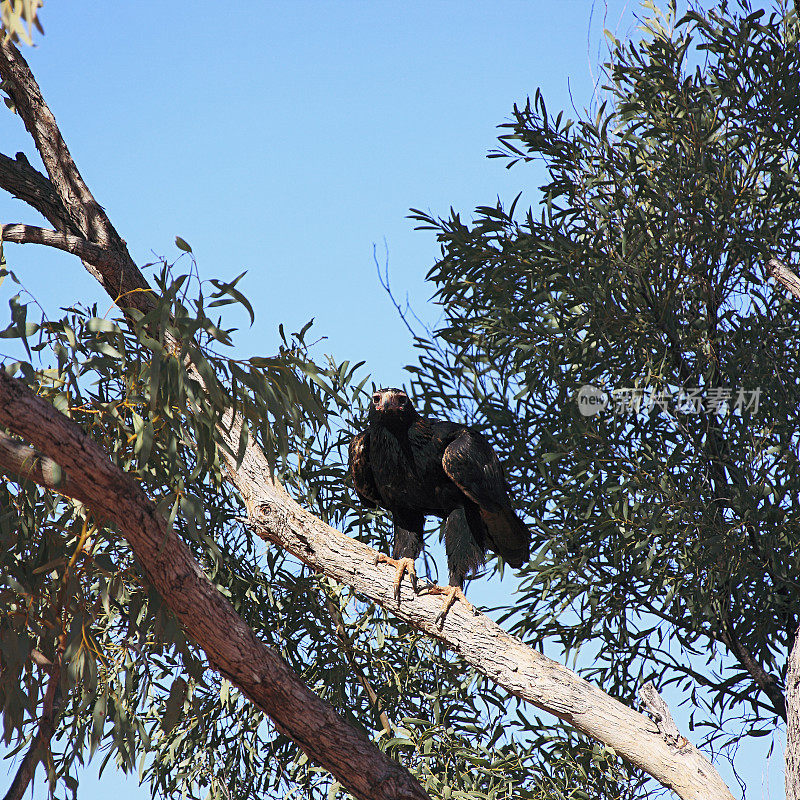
[376, 398]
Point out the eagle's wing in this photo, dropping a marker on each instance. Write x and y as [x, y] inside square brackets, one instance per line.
[361, 472]
[471, 463]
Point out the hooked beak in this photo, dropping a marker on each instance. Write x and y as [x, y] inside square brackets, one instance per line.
[390, 402]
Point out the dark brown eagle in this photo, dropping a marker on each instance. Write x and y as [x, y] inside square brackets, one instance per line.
[415, 467]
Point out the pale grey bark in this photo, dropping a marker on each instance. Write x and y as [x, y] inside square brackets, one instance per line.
[792, 692]
[781, 273]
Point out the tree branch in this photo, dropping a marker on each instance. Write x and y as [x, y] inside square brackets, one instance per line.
[51, 708]
[85, 250]
[20, 179]
[659, 712]
[120, 280]
[766, 683]
[206, 616]
[792, 773]
[781, 273]
[25, 464]
[350, 654]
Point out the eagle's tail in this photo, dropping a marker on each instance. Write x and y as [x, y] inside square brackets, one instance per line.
[510, 537]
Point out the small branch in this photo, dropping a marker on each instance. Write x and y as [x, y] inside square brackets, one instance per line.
[350, 654]
[765, 682]
[781, 273]
[23, 463]
[51, 709]
[69, 243]
[659, 712]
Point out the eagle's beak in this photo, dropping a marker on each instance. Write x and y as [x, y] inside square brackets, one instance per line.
[391, 402]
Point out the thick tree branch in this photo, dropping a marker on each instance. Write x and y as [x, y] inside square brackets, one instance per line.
[206, 616]
[278, 518]
[792, 774]
[20, 179]
[781, 273]
[787, 278]
[85, 250]
[522, 671]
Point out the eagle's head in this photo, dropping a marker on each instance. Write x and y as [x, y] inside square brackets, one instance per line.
[391, 407]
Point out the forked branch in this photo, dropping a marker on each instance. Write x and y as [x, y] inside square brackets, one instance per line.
[30, 234]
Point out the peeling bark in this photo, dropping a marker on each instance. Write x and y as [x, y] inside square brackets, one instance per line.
[781, 273]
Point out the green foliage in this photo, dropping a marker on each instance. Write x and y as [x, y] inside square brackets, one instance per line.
[667, 541]
[136, 693]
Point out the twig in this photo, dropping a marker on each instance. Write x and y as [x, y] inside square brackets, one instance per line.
[350, 654]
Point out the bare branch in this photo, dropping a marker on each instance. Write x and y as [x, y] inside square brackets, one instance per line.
[23, 463]
[51, 708]
[83, 209]
[792, 773]
[69, 243]
[781, 273]
[20, 179]
[206, 616]
[123, 280]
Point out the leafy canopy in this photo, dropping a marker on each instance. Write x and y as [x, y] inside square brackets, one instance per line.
[667, 540]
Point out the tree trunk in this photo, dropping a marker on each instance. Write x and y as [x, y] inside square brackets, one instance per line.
[792, 756]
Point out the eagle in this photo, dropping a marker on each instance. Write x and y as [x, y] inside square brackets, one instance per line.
[416, 467]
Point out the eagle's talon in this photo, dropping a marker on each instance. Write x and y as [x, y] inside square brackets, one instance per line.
[402, 565]
[451, 594]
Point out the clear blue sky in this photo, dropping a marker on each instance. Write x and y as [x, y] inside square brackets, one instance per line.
[286, 139]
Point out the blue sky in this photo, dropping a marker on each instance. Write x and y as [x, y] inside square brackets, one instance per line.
[287, 139]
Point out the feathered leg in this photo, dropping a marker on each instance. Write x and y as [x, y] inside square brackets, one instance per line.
[408, 530]
[464, 537]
